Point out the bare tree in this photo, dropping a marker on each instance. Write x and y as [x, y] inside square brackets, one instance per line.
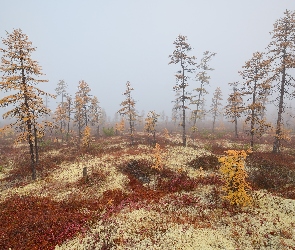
[255, 86]
[69, 108]
[95, 113]
[61, 112]
[203, 78]
[180, 56]
[215, 106]
[128, 110]
[281, 51]
[150, 124]
[234, 108]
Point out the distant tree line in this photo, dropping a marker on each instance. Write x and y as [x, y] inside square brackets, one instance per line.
[264, 76]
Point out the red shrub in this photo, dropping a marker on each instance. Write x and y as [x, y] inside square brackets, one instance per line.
[37, 223]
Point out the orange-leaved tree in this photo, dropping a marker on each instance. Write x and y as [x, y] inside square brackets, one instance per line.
[20, 75]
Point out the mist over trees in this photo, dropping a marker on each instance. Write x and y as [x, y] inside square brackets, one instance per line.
[266, 79]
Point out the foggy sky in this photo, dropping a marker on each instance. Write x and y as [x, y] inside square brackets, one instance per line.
[107, 43]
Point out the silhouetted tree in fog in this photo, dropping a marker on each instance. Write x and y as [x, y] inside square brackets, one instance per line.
[95, 113]
[281, 52]
[203, 78]
[215, 106]
[150, 124]
[180, 56]
[128, 110]
[234, 108]
[81, 106]
[61, 112]
[255, 87]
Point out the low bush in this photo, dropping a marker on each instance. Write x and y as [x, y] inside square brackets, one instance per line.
[108, 131]
[206, 162]
[234, 175]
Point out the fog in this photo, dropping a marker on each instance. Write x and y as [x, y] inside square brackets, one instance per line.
[107, 43]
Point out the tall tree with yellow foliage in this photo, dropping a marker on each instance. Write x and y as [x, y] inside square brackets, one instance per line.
[20, 75]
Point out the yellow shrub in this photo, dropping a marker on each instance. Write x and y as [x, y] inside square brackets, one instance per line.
[158, 164]
[86, 137]
[234, 174]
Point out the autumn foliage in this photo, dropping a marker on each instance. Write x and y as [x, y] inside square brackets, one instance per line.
[21, 74]
[234, 174]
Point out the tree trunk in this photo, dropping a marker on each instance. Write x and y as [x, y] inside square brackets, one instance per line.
[183, 109]
[213, 127]
[253, 112]
[236, 127]
[36, 145]
[28, 124]
[131, 128]
[33, 163]
[98, 131]
[69, 118]
[79, 133]
[277, 139]
[62, 121]
[198, 104]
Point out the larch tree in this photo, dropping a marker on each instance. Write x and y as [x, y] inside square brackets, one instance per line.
[255, 86]
[95, 113]
[176, 115]
[180, 56]
[204, 79]
[215, 106]
[61, 112]
[81, 107]
[281, 52]
[128, 110]
[120, 126]
[150, 124]
[68, 106]
[20, 77]
[234, 108]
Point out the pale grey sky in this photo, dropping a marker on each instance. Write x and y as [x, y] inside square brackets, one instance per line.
[107, 43]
